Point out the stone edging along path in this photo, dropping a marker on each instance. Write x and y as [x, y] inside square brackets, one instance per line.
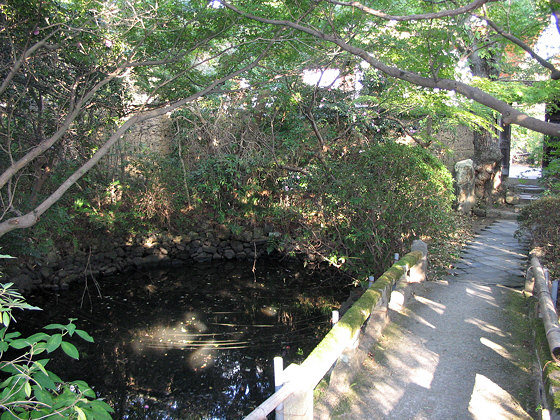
[459, 350]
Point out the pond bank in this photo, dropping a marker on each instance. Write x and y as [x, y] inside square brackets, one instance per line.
[109, 256]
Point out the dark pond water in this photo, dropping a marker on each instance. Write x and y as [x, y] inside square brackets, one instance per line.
[194, 342]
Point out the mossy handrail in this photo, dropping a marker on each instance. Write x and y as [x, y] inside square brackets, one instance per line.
[546, 306]
[303, 379]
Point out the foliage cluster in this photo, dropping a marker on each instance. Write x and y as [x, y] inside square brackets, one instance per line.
[377, 199]
[28, 389]
[353, 197]
[542, 220]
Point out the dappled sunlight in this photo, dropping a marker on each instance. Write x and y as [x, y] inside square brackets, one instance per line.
[202, 358]
[490, 401]
[412, 367]
[482, 292]
[435, 306]
[189, 334]
[502, 351]
[420, 319]
[423, 373]
[473, 246]
[485, 326]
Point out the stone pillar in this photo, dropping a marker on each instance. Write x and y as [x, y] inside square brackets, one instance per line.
[464, 178]
[418, 273]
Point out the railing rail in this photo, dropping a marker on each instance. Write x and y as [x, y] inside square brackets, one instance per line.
[538, 284]
[299, 381]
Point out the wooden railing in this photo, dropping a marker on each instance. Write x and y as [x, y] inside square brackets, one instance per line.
[538, 284]
[294, 396]
[546, 338]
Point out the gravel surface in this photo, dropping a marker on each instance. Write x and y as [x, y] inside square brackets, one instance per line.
[460, 350]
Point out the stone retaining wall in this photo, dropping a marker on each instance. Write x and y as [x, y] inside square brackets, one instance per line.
[209, 244]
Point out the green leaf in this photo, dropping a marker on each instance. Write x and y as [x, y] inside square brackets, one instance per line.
[37, 337]
[54, 376]
[20, 344]
[55, 327]
[7, 416]
[40, 364]
[85, 389]
[6, 318]
[44, 380]
[100, 413]
[7, 383]
[101, 408]
[71, 328]
[54, 342]
[43, 396]
[39, 348]
[11, 335]
[27, 389]
[65, 400]
[84, 335]
[70, 350]
[81, 414]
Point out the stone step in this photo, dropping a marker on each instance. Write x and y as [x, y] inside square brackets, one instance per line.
[528, 198]
[528, 189]
[523, 181]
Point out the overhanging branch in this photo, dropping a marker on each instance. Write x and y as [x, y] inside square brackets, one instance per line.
[554, 72]
[509, 114]
[29, 219]
[437, 15]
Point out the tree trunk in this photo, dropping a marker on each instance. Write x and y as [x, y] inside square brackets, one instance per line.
[505, 147]
[551, 143]
[487, 164]
[487, 154]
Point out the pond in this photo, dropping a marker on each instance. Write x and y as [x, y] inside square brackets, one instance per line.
[191, 342]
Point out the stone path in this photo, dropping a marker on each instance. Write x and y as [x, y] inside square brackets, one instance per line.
[460, 350]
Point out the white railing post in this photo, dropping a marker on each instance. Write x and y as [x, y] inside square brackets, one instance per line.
[299, 405]
[278, 382]
[298, 382]
[335, 317]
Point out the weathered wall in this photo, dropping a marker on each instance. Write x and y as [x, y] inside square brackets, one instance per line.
[453, 145]
[155, 134]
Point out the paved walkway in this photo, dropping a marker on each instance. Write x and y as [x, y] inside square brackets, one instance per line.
[459, 350]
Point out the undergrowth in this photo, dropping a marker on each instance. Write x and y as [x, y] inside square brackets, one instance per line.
[541, 219]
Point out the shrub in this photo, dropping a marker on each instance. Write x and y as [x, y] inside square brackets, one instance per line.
[377, 200]
[542, 220]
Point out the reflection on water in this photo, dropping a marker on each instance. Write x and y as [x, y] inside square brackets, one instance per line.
[194, 342]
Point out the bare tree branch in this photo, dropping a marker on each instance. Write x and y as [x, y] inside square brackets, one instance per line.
[48, 142]
[77, 107]
[445, 13]
[510, 115]
[30, 218]
[24, 56]
[409, 133]
[555, 73]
